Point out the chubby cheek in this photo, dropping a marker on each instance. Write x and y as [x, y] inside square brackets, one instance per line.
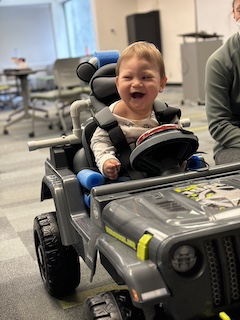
[119, 85]
[123, 89]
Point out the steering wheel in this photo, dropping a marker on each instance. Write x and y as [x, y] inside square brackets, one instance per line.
[162, 150]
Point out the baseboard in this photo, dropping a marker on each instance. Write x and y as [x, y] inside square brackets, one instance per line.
[177, 84]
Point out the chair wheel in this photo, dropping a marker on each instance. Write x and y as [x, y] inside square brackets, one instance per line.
[31, 134]
[50, 127]
[5, 131]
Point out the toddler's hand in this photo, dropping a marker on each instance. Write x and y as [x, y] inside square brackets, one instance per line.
[111, 168]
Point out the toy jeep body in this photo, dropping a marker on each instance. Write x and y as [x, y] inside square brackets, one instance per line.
[172, 241]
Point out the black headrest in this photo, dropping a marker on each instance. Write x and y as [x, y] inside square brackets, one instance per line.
[86, 69]
[100, 73]
[103, 84]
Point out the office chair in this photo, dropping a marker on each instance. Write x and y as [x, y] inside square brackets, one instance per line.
[8, 92]
[69, 89]
[4, 95]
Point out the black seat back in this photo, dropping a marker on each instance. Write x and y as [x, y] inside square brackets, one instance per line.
[84, 158]
[103, 87]
[103, 93]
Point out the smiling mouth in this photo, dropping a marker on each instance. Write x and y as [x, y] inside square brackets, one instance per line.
[137, 95]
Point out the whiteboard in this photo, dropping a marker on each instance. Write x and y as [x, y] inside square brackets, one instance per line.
[27, 31]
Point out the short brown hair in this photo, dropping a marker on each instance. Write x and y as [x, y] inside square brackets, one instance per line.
[143, 50]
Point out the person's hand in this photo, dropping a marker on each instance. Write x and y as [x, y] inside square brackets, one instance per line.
[111, 168]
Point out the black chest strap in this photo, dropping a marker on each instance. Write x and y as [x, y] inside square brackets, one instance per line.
[107, 121]
[165, 114]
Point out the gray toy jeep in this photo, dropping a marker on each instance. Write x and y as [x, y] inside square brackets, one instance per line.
[172, 239]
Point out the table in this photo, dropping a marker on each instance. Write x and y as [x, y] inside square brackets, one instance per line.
[200, 35]
[22, 75]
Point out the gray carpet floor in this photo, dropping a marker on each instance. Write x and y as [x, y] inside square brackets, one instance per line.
[22, 293]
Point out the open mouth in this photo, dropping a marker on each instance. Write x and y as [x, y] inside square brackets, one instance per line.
[137, 95]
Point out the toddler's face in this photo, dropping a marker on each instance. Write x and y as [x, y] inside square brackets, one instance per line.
[139, 83]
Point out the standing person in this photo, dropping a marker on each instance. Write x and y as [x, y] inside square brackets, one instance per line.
[222, 87]
[140, 76]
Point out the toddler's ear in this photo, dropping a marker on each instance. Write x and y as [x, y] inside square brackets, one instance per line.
[161, 89]
[163, 83]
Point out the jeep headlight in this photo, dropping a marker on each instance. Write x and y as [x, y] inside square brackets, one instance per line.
[184, 258]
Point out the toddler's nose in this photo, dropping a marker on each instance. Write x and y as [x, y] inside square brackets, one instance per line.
[137, 83]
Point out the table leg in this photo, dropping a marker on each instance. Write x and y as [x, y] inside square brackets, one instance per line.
[25, 108]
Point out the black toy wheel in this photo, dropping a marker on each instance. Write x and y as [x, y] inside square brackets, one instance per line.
[114, 304]
[59, 265]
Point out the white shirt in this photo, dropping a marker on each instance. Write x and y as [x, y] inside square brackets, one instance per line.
[101, 144]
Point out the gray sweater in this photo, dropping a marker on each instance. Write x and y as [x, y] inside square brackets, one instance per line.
[222, 88]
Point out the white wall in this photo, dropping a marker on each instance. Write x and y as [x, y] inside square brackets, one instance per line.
[19, 42]
[177, 17]
[37, 33]
[110, 23]
[216, 16]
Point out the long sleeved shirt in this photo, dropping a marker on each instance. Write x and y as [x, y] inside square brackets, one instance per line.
[222, 88]
[101, 144]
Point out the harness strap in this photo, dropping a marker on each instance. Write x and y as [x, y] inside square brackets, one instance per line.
[123, 150]
[107, 121]
[164, 113]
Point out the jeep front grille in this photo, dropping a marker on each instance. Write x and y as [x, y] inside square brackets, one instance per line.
[224, 269]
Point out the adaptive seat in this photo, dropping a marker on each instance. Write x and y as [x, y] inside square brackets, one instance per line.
[169, 148]
[101, 79]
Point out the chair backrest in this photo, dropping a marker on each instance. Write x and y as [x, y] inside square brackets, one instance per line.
[84, 158]
[64, 71]
[103, 93]
[99, 72]
[103, 88]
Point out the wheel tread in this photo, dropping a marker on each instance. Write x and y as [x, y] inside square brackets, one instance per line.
[60, 269]
[115, 304]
